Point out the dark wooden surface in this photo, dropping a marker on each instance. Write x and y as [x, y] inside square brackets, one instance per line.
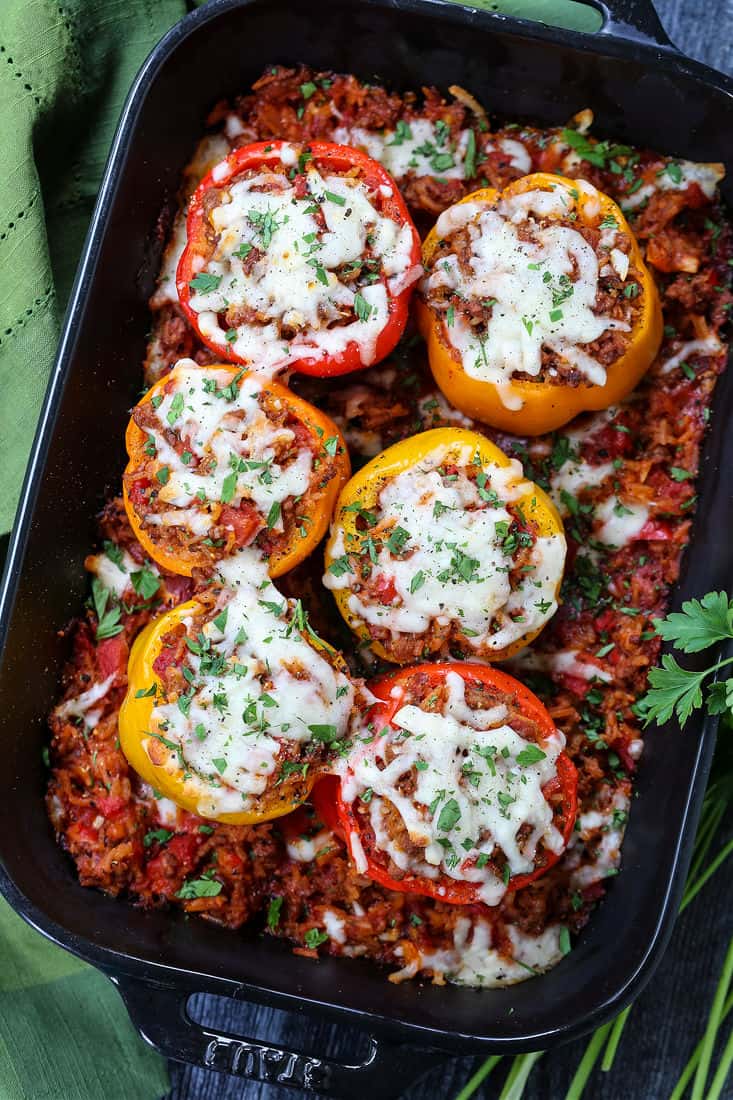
[669, 1017]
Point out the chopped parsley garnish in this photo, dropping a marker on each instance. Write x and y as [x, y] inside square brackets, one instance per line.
[204, 282]
[199, 888]
[273, 913]
[362, 309]
[159, 836]
[531, 755]
[108, 617]
[314, 937]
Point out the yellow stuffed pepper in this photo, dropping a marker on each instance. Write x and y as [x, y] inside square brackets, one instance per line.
[233, 705]
[440, 546]
[536, 304]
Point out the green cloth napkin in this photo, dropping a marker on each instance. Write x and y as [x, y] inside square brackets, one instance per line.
[65, 69]
[64, 1032]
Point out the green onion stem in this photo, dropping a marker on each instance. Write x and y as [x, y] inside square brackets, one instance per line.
[614, 1039]
[689, 1069]
[518, 1074]
[721, 1074]
[479, 1077]
[695, 889]
[713, 1026]
[706, 831]
[589, 1059]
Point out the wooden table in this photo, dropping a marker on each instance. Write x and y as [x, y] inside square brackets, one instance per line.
[670, 1015]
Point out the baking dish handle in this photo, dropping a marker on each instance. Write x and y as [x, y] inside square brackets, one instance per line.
[633, 19]
[159, 1014]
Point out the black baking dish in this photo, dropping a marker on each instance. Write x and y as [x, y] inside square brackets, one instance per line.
[642, 90]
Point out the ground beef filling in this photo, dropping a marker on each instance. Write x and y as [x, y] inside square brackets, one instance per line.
[444, 638]
[231, 528]
[421, 691]
[617, 299]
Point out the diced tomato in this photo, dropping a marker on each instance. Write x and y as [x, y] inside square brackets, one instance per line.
[111, 805]
[385, 589]
[244, 521]
[576, 685]
[605, 620]
[168, 656]
[622, 751]
[112, 656]
[179, 588]
[656, 530]
[184, 846]
[608, 442]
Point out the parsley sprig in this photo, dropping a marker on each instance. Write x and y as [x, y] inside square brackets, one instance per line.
[679, 691]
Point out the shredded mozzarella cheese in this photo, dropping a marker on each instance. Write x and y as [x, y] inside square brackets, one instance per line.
[536, 304]
[295, 283]
[225, 428]
[477, 782]
[231, 729]
[418, 147]
[458, 568]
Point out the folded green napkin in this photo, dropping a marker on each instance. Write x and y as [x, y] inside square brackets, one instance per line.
[64, 1032]
[65, 69]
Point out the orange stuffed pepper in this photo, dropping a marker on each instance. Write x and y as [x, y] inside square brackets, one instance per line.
[536, 304]
[220, 459]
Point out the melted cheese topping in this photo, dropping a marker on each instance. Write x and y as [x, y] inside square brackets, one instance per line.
[517, 153]
[418, 147]
[474, 960]
[708, 345]
[224, 427]
[477, 781]
[677, 177]
[576, 474]
[619, 522]
[594, 852]
[84, 706]
[561, 662]
[296, 284]
[536, 303]
[457, 565]
[256, 684]
[117, 575]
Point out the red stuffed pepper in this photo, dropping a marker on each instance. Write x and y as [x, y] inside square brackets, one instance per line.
[299, 257]
[457, 787]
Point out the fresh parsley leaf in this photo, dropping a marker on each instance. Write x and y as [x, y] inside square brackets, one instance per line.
[674, 690]
[162, 836]
[199, 888]
[205, 282]
[531, 755]
[450, 815]
[314, 937]
[273, 913]
[700, 623]
[145, 582]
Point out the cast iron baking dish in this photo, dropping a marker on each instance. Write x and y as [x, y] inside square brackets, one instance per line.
[642, 90]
